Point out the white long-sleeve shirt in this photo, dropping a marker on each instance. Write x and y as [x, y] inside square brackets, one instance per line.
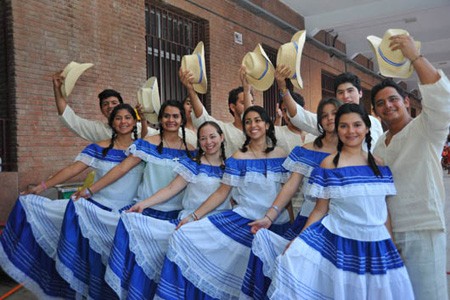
[413, 155]
[91, 130]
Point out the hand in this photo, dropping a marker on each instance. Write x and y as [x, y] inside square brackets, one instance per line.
[258, 224]
[184, 221]
[404, 43]
[57, 79]
[281, 73]
[137, 208]
[243, 77]
[186, 78]
[84, 193]
[140, 111]
[34, 190]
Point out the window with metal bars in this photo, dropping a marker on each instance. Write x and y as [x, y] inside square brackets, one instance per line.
[328, 85]
[170, 34]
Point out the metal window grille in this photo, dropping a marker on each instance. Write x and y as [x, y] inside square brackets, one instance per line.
[328, 85]
[170, 34]
[4, 165]
[271, 96]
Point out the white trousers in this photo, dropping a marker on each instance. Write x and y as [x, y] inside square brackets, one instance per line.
[424, 255]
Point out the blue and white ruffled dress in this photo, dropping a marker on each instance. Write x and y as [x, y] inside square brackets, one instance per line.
[88, 227]
[149, 237]
[349, 253]
[29, 242]
[158, 172]
[267, 245]
[208, 258]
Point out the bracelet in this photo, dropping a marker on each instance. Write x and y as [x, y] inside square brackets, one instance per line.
[90, 192]
[270, 219]
[194, 216]
[416, 58]
[283, 92]
[276, 208]
[43, 185]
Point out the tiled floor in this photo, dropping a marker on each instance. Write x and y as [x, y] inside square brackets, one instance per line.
[6, 284]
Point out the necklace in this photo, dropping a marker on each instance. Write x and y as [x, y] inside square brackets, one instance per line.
[254, 154]
[176, 158]
[116, 141]
[204, 155]
[264, 159]
[169, 146]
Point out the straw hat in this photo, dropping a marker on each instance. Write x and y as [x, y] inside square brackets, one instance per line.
[260, 71]
[71, 73]
[195, 63]
[290, 55]
[391, 63]
[148, 97]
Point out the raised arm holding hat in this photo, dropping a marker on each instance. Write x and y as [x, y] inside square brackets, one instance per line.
[409, 145]
[238, 100]
[91, 130]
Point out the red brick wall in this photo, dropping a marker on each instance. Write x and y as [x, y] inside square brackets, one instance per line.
[111, 34]
[49, 34]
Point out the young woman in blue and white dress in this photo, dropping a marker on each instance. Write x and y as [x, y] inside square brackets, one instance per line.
[208, 258]
[301, 161]
[161, 154]
[29, 242]
[345, 250]
[148, 237]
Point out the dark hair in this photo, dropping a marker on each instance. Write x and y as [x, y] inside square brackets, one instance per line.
[233, 96]
[270, 132]
[109, 93]
[347, 77]
[185, 99]
[333, 101]
[199, 148]
[297, 98]
[113, 114]
[384, 84]
[355, 108]
[179, 105]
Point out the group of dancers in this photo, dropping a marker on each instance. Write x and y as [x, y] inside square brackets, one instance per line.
[166, 219]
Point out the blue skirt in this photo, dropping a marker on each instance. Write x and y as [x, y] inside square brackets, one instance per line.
[207, 259]
[256, 283]
[24, 259]
[77, 261]
[123, 274]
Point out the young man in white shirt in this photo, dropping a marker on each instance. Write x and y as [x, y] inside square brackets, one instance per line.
[91, 130]
[412, 149]
[347, 88]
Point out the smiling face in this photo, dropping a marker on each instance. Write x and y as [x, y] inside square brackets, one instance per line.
[171, 119]
[390, 105]
[210, 139]
[348, 93]
[327, 118]
[352, 130]
[108, 105]
[123, 122]
[255, 127]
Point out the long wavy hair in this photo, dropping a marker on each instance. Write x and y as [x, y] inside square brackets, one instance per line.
[355, 108]
[179, 105]
[270, 133]
[200, 151]
[333, 101]
[113, 114]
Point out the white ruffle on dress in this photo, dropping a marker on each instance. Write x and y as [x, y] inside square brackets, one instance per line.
[159, 171]
[207, 259]
[349, 253]
[148, 237]
[267, 245]
[29, 242]
[88, 226]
